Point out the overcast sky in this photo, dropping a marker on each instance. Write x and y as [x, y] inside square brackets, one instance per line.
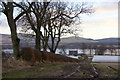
[103, 23]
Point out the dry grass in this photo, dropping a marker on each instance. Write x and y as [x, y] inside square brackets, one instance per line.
[15, 65]
[21, 69]
[108, 64]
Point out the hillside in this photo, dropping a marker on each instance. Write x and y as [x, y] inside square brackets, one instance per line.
[77, 40]
[68, 42]
[108, 40]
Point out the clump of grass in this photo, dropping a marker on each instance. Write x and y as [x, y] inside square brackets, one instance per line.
[14, 65]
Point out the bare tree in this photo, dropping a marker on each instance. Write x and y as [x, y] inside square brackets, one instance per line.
[54, 18]
[90, 49]
[83, 47]
[35, 19]
[111, 49]
[96, 48]
[59, 18]
[8, 9]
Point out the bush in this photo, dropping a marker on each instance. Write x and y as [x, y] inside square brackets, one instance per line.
[37, 55]
[47, 56]
[27, 54]
[31, 55]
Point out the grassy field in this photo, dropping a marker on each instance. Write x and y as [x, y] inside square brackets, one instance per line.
[41, 70]
[107, 70]
[50, 70]
[23, 69]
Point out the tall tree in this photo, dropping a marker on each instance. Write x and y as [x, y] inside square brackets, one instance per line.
[8, 9]
[59, 18]
[35, 18]
[54, 18]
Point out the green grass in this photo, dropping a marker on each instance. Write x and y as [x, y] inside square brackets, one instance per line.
[20, 74]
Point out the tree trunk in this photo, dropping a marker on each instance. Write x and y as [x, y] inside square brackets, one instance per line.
[38, 33]
[14, 38]
[52, 47]
[12, 25]
[16, 45]
[45, 41]
[57, 44]
[45, 45]
[38, 41]
[51, 50]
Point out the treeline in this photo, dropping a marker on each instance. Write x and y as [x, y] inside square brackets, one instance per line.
[100, 49]
[45, 20]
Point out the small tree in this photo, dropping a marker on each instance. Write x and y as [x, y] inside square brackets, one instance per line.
[83, 47]
[111, 49]
[90, 49]
[95, 49]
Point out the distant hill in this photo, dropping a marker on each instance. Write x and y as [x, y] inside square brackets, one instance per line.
[108, 40]
[77, 40]
[69, 41]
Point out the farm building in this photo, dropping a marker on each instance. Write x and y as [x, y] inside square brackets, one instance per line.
[75, 52]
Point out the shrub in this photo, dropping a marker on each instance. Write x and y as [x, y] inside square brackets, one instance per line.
[31, 55]
[37, 55]
[27, 54]
[47, 56]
